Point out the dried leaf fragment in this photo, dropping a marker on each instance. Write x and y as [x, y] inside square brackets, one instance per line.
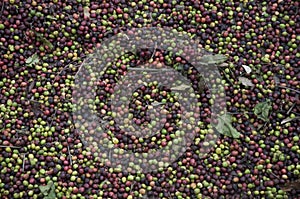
[213, 59]
[86, 12]
[247, 69]
[181, 87]
[245, 81]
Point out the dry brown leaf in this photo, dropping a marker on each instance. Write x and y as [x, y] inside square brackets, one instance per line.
[295, 185]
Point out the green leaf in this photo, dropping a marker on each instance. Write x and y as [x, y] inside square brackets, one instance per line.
[51, 194]
[224, 126]
[45, 41]
[45, 189]
[48, 190]
[33, 59]
[262, 110]
[213, 59]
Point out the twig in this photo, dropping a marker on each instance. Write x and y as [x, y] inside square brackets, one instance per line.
[104, 182]
[291, 108]
[22, 131]
[155, 46]
[2, 8]
[83, 141]
[109, 154]
[131, 187]
[235, 113]
[263, 126]
[58, 73]
[225, 75]
[296, 113]
[32, 100]
[274, 175]
[23, 162]
[150, 16]
[289, 88]
[170, 196]
[138, 75]
[78, 70]
[126, 36]
[69, 156]
[51, 73]
[289, 120]
[36, 106]
[151, 69]
[3, 47]
[13, 147]
[50, 125]
[30, 87]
